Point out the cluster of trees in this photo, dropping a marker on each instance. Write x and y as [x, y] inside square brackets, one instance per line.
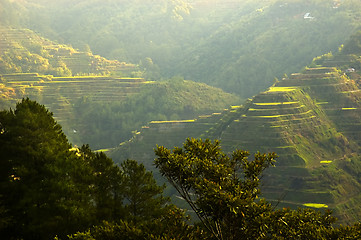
[49, 189]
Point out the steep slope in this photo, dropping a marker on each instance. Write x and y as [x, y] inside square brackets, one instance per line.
[310, 139]
[310, 119]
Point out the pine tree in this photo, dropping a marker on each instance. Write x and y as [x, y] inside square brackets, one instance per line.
[142, 196]
[40, 187]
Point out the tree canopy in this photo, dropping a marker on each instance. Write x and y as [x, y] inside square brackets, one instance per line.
[49, 188]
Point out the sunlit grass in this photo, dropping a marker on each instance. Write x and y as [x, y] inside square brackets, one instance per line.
[274, 103]
[270, 116]
[272, 109]
[315, 205]
[349, 108]
[178, 121]
[285, 115]
[282, 147]
[103, 150]
[281, 89]
[235, 107]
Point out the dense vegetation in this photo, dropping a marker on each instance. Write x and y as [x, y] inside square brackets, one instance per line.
[49, 189]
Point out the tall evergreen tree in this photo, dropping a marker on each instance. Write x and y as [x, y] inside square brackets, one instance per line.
[142, 196]
[106, 184]
[39, 184]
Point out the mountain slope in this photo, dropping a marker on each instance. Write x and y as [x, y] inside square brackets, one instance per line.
[311, 119]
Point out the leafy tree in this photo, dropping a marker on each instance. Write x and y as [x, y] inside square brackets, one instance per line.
[221, 190]
[143, 197]
[224, 193]
[147, 213]
[172, 225]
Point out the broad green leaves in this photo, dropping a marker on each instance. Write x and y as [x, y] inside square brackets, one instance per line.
[222, 190]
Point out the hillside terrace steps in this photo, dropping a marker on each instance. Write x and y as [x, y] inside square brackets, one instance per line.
[77, 61]
[9, 35]
[338, 61]
[59, 94]
[293, 118]
[339, 97]
[281, 120]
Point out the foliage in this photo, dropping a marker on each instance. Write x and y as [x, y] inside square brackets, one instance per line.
[221, 190]
[20, 59]
[105, 179]
[353, 45]
[143, 197]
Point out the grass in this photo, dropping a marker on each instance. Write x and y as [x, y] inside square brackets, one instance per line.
[179, 121]
[273, 103]
[235, 107]
[281, 89]
[271, 116]
[315, 205]
[349, 108]
[272, 109]
[104, 150]
[326, 162]
[284, 115]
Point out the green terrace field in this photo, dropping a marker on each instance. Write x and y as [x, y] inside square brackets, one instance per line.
[300, 120]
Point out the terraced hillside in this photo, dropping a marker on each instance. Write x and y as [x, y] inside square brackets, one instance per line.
[302, 119]
[310, 119]
[165, 133]
[59, 94]
[23, 51]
